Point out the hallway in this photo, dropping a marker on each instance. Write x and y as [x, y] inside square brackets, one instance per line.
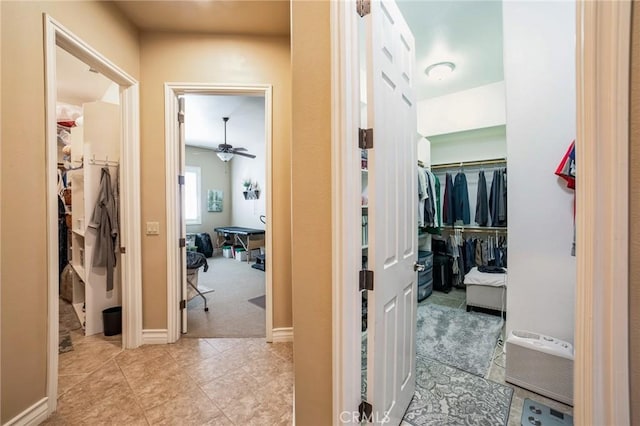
[194, 381]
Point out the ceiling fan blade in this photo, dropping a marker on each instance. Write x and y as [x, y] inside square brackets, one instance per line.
[245, 154]
[239, 149]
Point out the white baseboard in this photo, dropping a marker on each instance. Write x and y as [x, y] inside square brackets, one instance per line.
[284, 334]
[155, 336]
[33, 415]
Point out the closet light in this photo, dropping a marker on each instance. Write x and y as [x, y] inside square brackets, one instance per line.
[440, 71]
[225, 156]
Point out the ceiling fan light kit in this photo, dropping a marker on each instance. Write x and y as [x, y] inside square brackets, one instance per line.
[225, 151]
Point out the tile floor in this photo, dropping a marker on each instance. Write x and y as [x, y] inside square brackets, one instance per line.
[457, 299]
[191, 382]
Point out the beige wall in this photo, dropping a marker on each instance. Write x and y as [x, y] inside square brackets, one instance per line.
[214, 174]
[169, 57]
[23, 209]
[311, 207]
[634, 220]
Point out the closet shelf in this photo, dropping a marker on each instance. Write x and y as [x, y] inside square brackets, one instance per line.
[79, 270]
[366, 246]
[364, 170]
[77, 307]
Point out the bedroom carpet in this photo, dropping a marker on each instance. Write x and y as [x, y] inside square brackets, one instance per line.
[232, 284]
[449, 396]
[464, 340]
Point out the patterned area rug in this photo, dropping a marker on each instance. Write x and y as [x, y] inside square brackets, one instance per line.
[67, 321]
[448, 396]
[464, 340]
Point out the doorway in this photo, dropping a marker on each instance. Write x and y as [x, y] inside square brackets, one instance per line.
[224, 211]
[470, 136]
[233, 248]
[70, 161]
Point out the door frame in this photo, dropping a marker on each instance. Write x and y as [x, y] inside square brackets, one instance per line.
[602, 68]
[57, 35]
[174, 230]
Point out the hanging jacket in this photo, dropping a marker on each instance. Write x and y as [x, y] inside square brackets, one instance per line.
[461, 199]
[482, 202]
[498, 199]
[447, 207]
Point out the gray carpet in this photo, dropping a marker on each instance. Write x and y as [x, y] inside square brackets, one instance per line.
[464, 340]
[230, 313]
[449, 396]
[67, 322]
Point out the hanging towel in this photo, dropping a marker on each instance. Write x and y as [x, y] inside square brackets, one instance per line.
[104, 221]
[482, 201]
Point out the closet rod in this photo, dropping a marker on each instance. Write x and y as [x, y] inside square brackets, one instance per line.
[491, 229]
[469, 163]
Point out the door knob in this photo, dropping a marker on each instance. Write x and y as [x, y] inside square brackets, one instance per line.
[418, 267]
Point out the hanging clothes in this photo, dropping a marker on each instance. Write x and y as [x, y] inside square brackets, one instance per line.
[422, 195]
[447, 206]
[482, 201]
[498, 198]
[104, 221]
[461, 199]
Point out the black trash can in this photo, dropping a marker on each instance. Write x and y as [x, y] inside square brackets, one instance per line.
[112, 320]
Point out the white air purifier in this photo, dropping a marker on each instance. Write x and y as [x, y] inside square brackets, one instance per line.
[540, 363]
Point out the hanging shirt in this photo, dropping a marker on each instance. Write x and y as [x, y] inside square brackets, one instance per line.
[422, 195]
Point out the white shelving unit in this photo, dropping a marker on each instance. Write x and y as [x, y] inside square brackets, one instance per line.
[98, 140]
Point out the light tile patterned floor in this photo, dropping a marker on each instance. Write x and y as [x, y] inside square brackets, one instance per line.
[457, 299]
[191, 382]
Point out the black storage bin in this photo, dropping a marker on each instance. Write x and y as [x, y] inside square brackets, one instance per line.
[442, 273]
[425, 278]
[112, 320]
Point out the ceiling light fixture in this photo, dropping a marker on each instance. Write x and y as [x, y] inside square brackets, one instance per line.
[440, 71]
[225, 156]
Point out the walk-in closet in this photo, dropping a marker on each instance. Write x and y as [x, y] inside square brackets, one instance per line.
[90, 290]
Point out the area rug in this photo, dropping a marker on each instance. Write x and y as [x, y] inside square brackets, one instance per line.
[464, 340]
[449, 396]
[258, 301]
[67, 322]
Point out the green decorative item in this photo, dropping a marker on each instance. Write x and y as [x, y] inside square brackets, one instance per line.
[214, 200]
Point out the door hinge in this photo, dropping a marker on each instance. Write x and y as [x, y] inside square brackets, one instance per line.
[123, 250]
[183, 304]
[365, 138]
[182, 242]
[363, 7]
[364, 412]
[180, 179]
[366, 280]
[181, 110]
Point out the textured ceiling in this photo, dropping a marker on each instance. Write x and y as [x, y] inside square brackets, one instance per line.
[467, 33]
[261, 17]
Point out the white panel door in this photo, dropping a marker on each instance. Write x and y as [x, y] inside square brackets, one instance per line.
[392, 213]
[181, 216]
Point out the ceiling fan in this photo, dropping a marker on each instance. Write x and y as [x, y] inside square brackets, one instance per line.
[225, 151]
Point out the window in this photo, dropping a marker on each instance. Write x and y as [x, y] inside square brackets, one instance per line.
[192, 211]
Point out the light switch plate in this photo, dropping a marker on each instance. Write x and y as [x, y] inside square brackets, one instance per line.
[153, 228]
